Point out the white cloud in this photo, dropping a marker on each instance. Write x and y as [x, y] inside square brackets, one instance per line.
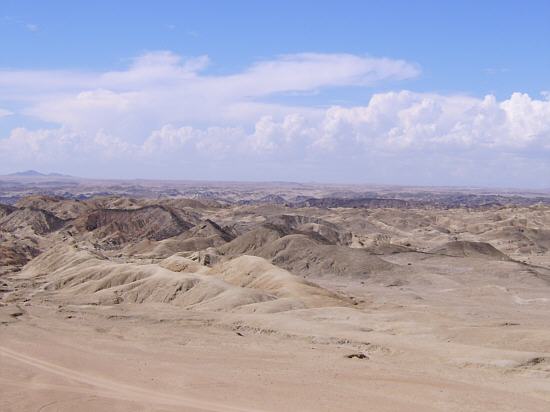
[58, 145]
[163, 107]
[167, 138]
[21, 23]
[416, 121]
[4, 112]
[391, 122]
[294, 133]
[309, 71]
[161, 88]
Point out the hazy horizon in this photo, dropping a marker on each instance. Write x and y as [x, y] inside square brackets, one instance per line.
[366, 184]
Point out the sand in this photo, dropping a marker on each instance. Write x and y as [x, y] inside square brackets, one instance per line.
[341, 310]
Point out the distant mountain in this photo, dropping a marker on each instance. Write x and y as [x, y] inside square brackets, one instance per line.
[58, 175]
[34, 173]
[27, 173]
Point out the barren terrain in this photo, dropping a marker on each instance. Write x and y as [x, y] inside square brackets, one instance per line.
[168, 303]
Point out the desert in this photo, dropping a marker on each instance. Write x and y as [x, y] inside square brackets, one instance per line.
[274, 206]
[208, 304]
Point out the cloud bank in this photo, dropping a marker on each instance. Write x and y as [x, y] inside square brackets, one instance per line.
[166, 116]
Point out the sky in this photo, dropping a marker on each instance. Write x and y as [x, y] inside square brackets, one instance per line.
[382, 92]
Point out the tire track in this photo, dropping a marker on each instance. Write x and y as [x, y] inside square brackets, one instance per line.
[110, 388]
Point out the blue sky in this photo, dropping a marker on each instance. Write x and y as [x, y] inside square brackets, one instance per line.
[423, 92]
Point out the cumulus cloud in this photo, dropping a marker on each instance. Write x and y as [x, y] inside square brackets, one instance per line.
[391, 122]
[161, 87]
[55, 145]
[168, 108]
[416, 121]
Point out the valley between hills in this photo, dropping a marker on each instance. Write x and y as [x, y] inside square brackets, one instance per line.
[210, 303]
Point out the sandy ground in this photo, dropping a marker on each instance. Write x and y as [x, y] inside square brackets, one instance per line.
[468, 349]
[433, 333]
